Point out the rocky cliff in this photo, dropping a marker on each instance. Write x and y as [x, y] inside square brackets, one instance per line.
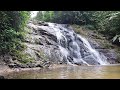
[46, 45]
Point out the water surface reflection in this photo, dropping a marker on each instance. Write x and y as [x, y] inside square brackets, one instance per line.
[70, 72]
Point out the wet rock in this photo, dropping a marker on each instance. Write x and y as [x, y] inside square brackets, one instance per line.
[90, 60]
[45, 64]
[41, 23]
[49, 36]
[2, 77]
[95, 45]
[7, 59]
[70, 58]
[13, 65]
[24, 66]
[30, 65]
[17, 64]
[75, 55]
[38, 65]
[80, 63]
[110, 55]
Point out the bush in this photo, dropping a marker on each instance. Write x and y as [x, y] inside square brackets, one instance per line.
[12, 25]
[65, 17]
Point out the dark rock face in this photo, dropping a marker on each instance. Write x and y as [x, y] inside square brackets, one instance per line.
[29, 65]
[2, 77]
[42, 23]
[6, 58]
[91, 61]
[110, 54]
[116, 40]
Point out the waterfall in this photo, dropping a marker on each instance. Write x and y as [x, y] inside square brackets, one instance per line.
[99, 58]
[76, 47]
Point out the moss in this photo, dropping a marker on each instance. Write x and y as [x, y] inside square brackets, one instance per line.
[24, 58]
[41, 55]
[78, 29]
[90, 27]
[37, 41]
[27, 30]
[21, 56]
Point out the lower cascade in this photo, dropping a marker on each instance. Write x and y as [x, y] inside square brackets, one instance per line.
[74, 48]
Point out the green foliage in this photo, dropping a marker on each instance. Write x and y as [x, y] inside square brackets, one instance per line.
[42, 55]
[12, 25]
[45, 16]
[39, 16]
[91, 27]
[108, 23]
[66, 17]
[22, 57]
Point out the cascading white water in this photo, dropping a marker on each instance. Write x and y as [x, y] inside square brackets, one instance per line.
[72, 47]
[99, 58]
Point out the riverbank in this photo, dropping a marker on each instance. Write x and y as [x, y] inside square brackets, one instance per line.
[4, 70]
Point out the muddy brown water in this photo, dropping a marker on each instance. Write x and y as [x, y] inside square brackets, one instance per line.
[70, 72]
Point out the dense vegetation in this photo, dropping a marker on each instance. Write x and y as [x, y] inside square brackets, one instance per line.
[69, 17]
[105, 22]
[12, 31]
